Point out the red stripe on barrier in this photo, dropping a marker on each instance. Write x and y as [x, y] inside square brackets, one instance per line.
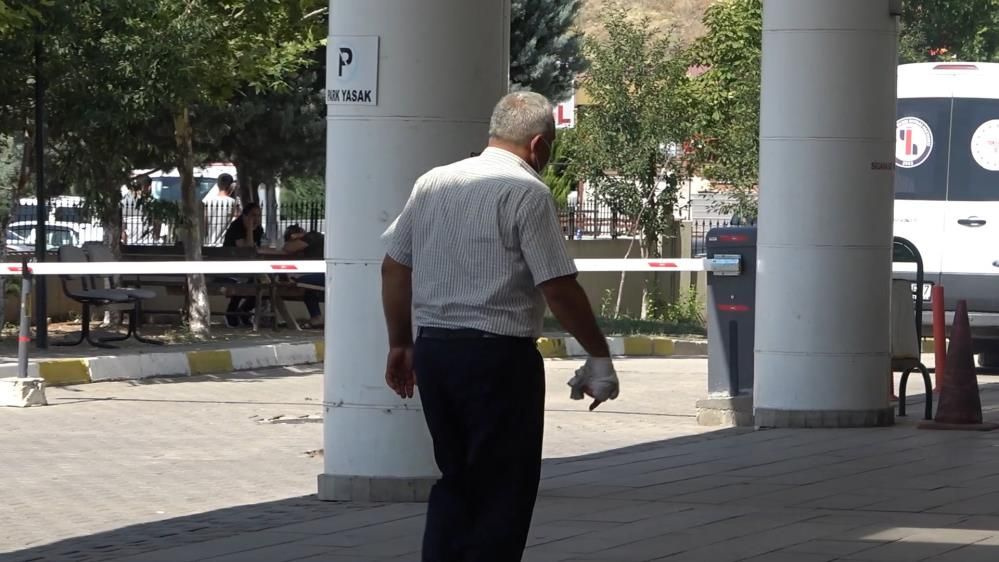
[284, 267]
[732, 238]
[664, 264]
[733, 308]
[23, 339]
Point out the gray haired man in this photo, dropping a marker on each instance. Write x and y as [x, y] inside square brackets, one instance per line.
[473, 258]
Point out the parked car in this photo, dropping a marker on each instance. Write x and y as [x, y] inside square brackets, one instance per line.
[67, 211]
[24, 235]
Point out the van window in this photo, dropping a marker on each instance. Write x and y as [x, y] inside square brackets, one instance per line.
[918, 175]
[170, 188]
[974, 168]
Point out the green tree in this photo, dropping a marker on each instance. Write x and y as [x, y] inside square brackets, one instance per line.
[624, 138]
[934, 30]
[196, 53]
[545, 48]
[722, 100]
[557, 175]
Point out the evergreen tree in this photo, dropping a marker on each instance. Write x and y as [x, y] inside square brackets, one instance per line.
[545, 50]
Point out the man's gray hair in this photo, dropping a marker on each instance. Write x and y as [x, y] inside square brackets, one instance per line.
[521, 116]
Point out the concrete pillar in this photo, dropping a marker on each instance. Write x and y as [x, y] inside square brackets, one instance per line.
[443, 64]
[825, 229]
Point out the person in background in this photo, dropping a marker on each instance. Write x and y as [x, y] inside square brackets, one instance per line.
[244, 232]
[471, 261]
[310, 246]
[220, 207]
[135, 227]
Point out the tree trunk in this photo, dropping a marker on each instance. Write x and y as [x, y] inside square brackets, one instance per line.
[620, 284]
[272, 228]
[248, 179]
[111, 222]
[198, 311]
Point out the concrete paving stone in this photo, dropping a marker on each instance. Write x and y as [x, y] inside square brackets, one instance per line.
[647, 528]
[730, 493]
[987, 504]
[228, 545]
[388, 548]
[756, 544]
[636, 511]
[970, 553]
[783, 556]
[552, 532]
[280, 553]
[923, 501]
[904, 552]
[671, 490]
[832, 547]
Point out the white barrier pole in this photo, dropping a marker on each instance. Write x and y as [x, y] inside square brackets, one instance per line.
[825, 237]
[439, 70]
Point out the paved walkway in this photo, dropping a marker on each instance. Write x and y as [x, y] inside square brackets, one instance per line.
[223, 469]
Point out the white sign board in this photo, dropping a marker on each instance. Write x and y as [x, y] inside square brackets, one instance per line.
[565, 114]
[352, 70]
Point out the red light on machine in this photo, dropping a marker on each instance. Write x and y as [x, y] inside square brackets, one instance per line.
[733, 308]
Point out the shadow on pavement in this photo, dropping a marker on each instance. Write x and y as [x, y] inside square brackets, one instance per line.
[728, 495]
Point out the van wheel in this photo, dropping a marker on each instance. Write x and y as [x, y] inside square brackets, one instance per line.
[989, 360]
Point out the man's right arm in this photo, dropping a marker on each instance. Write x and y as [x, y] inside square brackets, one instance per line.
[571, 307]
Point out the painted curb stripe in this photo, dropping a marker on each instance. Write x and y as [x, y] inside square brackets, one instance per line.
[64, 371]
[210, 362]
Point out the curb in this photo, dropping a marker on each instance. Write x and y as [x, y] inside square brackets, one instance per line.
[59, 372]
[627, 346]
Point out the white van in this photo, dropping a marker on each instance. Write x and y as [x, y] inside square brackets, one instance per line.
[947, 185]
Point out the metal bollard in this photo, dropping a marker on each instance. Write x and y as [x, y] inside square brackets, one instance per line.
[24, 336]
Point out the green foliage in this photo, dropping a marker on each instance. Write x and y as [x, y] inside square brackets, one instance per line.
[723, 99]
[624, 137]
[545, 52]
[16, 15]
[634, 327]
[934, 30]
[687, 311]
[557, 175]
[303, 190]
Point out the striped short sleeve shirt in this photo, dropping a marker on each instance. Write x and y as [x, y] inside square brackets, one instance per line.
[480, 235]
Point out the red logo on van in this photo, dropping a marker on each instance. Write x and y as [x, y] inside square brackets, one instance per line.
[913, 142]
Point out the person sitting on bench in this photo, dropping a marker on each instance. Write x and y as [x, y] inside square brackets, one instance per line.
[244, 232]
[308, 245]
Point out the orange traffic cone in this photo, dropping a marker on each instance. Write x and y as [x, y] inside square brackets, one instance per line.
[960, 404]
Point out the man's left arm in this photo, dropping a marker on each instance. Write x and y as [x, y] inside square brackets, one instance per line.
[397, 301]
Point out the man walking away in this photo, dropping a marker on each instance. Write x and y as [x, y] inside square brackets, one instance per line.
[474, 255]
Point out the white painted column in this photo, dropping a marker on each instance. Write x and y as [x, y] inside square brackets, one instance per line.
[824, 267]
[443, 64]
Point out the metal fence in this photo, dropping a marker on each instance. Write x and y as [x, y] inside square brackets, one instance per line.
[71, 225]
[594, 221]
[699, 231]
[217, 216]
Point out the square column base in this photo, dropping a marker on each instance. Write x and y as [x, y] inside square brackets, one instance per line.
[735, 411]
[772, 418]
[367, 489]
[22, 392]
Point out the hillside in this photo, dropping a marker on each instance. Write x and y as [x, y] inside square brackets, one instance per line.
[685, 15]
